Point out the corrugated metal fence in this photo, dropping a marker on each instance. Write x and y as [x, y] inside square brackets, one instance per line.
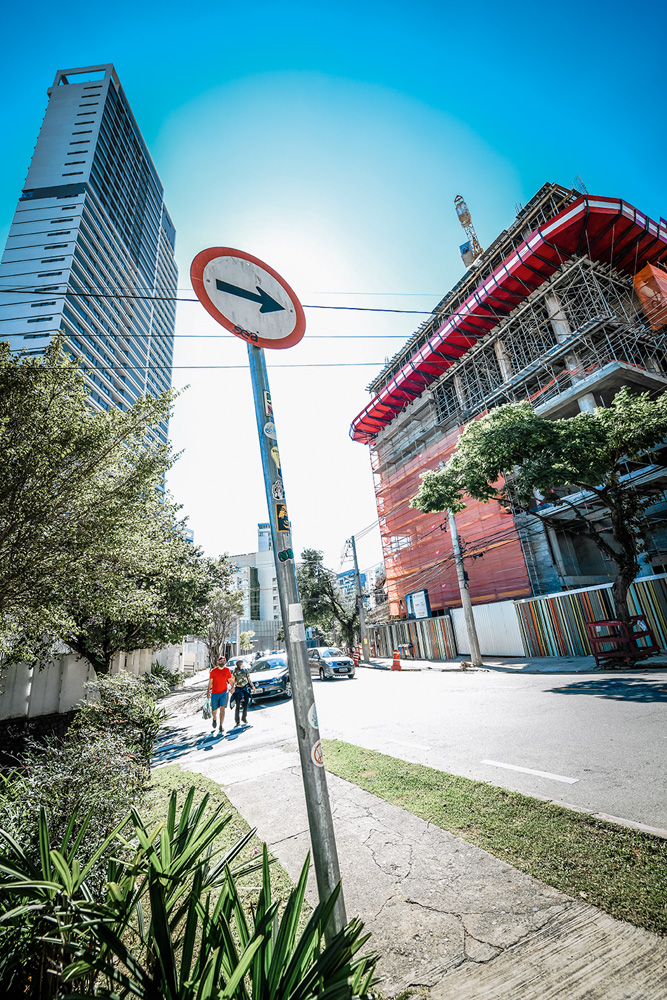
[554, 625]
[497, 626]
[551, 625]
[425, 639]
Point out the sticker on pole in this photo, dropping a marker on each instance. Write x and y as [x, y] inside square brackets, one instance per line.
[317, 754]
[247, 297]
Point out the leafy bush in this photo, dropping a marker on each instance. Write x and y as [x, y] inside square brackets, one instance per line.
[99, 767]
[157, 686]
[101, 764]
[89, 769]
[123, 703]
[73, 791]
[173, 677]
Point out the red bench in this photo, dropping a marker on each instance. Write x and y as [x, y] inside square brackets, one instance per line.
[628, 644]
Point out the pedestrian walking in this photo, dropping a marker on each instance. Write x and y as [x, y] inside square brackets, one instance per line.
[243, 688]
[218, 683]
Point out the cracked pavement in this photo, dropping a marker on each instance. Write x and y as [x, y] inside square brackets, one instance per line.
[449, 920]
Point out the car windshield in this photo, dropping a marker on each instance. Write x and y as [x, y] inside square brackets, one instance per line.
[332, 652]
[262, 665]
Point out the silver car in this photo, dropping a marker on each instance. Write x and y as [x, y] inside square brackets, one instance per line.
[271, 678]
[327, 662]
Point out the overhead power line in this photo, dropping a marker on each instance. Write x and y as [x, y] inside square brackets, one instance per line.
[141, 368]
[177, 298]
[224, 335]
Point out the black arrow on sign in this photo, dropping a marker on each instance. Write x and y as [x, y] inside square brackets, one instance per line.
[268, 304]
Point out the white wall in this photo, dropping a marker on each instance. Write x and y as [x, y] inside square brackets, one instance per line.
[497, 629]
[26, 692]
[190, 656]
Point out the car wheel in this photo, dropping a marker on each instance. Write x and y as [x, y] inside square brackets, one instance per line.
[350, 677]
[322, 674]
[288, 689]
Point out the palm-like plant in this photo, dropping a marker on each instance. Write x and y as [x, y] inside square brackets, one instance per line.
[215, 951]
[44, 906]
[173, 925]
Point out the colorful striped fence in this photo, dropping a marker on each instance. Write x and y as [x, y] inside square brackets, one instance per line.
[430, 638]
[554, 625]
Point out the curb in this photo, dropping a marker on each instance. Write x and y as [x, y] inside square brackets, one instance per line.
[488, 668]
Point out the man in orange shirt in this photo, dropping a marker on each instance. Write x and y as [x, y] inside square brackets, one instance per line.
[218, 683]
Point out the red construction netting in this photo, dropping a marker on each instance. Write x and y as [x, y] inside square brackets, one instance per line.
[418, 553]
[651, 287]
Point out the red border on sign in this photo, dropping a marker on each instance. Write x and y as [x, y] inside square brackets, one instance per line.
[197, 278]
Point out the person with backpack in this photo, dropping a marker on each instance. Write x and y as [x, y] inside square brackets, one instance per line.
[243, 689]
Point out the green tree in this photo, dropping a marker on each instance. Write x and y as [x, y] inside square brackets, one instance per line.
[74, 485]
[245, 641]
[224, 608]
[516, 457]
[151, 593]
[322, 600]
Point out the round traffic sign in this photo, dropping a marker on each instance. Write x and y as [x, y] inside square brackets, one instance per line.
[247, 297]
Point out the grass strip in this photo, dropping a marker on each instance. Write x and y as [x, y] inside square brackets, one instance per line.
[153, 809]
[620, 870]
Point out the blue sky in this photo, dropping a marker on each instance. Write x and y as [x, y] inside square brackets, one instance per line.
[330, 140]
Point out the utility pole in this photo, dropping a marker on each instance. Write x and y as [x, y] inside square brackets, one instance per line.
[365, 651]
[471, 629]
[320, 820]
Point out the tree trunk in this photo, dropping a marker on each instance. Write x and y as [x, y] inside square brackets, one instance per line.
[619, 593]
[628, 567]
[101, 665]
[628, 563]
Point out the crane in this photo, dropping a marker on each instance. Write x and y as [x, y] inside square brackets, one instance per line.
[470, 250]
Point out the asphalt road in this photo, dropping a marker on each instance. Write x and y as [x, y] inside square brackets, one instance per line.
[599, 741]
[606, 733]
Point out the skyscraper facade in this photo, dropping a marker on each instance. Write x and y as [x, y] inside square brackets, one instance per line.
[91, 248]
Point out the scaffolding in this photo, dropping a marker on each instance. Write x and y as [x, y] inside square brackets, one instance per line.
[582, 320]
[549, 200]
[555, 317]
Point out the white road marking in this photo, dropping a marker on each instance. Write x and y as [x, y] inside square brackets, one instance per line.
[529, 770]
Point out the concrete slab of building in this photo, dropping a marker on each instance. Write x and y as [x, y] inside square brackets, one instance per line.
[255, 577]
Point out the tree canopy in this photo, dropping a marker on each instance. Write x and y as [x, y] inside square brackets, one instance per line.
[223, 609]
[152, 594]
[521, 459]
[322, 600]
[245, 641]
[92, 552]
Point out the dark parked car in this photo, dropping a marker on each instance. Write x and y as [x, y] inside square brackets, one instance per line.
[328, 661]
[271, 677]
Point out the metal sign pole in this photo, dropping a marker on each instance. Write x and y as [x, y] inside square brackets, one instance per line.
[320, 821]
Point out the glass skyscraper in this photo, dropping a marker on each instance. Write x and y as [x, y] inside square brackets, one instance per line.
[91, 248]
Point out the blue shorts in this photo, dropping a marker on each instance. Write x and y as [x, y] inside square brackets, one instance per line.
[219, 700]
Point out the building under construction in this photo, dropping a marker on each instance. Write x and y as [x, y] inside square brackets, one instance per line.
[564, 308]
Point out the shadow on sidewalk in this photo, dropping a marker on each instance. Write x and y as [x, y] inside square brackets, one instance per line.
[618, 689]
[174, 743]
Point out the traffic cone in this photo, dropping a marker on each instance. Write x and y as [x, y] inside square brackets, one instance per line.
[396, 664]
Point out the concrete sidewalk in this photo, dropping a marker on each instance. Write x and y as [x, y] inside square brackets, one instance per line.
[517, 664]
[450, 921]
